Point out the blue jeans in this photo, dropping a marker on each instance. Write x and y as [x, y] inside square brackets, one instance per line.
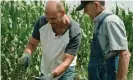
[99, 68]
[112, 67]
[69, 74]
[97, 72]
[104, 71]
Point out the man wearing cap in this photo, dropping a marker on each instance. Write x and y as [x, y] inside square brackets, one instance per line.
[109, 57]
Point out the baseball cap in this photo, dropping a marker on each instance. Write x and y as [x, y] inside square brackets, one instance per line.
[83, 4]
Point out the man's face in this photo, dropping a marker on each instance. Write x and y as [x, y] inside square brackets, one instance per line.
[53, 17]
[90, 9]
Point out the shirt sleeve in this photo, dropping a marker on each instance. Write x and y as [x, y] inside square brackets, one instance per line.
[35, 33]
[73, 45]
[38, 24]
[117, 36]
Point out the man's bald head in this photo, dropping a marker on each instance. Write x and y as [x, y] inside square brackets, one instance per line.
[54, 12]
[54, 5]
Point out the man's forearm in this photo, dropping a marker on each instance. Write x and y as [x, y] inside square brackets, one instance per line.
[63, 66]
[29, 48]
[60, 69]
[124, 57]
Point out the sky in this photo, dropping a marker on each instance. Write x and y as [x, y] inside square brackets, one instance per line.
[123, 3]
[110, 4]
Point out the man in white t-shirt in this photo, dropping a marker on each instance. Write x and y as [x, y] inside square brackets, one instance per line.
[60, 38]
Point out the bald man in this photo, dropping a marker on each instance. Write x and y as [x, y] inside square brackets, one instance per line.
[60, 38]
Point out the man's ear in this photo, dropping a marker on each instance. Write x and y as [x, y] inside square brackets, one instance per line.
[62, 12]
[96, 4]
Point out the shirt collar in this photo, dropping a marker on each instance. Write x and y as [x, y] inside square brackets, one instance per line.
[101, 15]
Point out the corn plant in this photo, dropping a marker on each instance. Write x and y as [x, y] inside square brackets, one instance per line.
[17, 22]
[18, 19]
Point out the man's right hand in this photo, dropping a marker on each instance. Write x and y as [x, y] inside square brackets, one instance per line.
[25, 60]
[47, 77]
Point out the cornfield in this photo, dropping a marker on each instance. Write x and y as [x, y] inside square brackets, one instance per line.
[17, 22]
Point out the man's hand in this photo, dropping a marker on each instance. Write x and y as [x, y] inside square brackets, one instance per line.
[48, 77]
[25, 60]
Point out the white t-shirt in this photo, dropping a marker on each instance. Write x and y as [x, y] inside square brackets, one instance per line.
[54, 47]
